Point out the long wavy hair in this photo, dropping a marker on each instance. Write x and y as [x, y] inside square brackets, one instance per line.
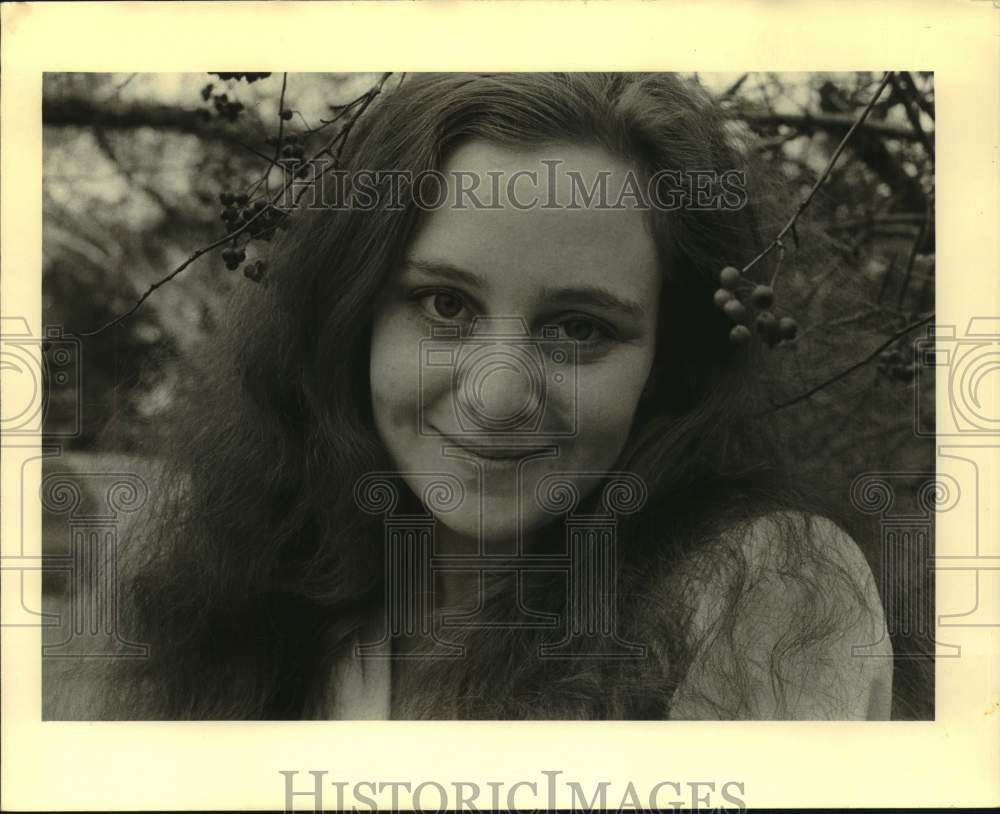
[258, 569]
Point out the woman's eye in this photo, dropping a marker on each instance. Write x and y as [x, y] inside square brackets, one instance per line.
[443, 305]
[582, 330]
[447, 306]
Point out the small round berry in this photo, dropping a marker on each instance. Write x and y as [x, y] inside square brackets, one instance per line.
[241, 199]
[286, 115]
[762, 296]
[227, 198]
[729, 278]
[765, 321]
[788, 328]
[740, 334]
[767, 325]
[735, 310]
[721, 297]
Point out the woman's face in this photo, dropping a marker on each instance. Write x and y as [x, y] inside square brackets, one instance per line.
[513, 344]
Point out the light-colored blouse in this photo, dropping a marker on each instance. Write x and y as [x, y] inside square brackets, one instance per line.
[846, 675]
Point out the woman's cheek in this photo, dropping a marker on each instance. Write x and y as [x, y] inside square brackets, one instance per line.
[609, 393]
[393, 371]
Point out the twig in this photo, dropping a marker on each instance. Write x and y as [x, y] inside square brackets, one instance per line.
[733, 88]
[790, 226]
[281, 119]
[914, 249]
[345, 131]
[250, 149]
[273, 162]
[162, 281]
[781, 259]
[885, 279]
[907, 94]
[857, 316]
[122, 85]
[919, 98]
[847, 371]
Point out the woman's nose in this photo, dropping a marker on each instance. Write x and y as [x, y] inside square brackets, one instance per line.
[502, 393]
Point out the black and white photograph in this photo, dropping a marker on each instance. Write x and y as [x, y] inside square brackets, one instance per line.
[490, 396]
[499, 406]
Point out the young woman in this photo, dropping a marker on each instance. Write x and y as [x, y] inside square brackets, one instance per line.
[581, 246]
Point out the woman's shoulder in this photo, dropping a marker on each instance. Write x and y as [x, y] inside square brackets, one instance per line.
[794, 548]
[786, 622]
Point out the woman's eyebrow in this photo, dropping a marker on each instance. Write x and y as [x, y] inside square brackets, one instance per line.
[446, 271]
[596, 296]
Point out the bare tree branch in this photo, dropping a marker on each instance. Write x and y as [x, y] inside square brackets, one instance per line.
[77, 112]
[831, 122]
[908, 94]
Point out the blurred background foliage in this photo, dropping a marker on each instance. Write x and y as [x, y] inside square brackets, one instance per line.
[134, 165]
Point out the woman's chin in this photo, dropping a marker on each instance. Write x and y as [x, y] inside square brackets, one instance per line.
[496, 531]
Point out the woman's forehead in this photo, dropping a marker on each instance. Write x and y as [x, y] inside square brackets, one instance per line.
[530, 238]
[569, 175]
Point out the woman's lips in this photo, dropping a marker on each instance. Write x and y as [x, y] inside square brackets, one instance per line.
[496, 449]
[498, 453]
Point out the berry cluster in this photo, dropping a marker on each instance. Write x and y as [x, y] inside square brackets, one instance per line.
[228, 109]
[249, 77]
[896, 363]
[292, 151]
[260, 217]
[233, 256]
[256, 272]
[760, 299]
